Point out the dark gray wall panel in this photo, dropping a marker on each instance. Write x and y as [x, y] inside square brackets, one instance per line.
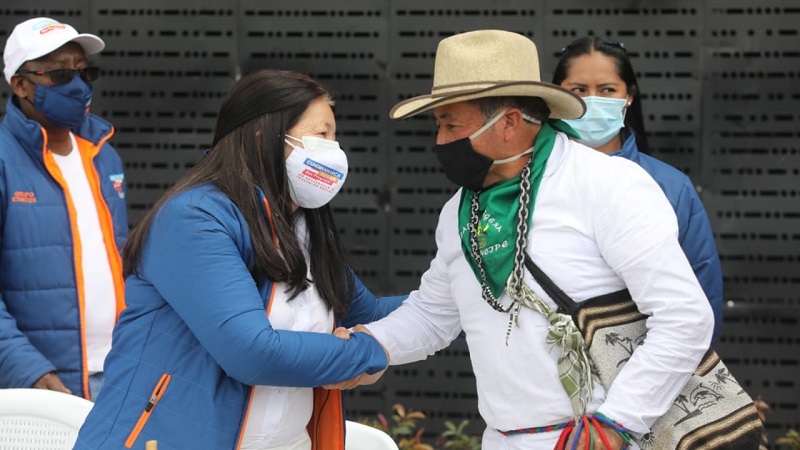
[751, 166]
[344, 47]
[166, 68]
[663, 41]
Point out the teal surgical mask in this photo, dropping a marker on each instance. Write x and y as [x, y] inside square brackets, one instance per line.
[603, 119]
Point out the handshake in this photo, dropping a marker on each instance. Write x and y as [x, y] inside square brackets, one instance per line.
[364, 378]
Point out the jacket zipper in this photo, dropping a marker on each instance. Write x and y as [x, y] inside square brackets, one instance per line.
[157, 394]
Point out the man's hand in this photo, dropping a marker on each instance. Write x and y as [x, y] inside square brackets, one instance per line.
[362, 329]
[614, 439]
[371, 379]
[364, 378]
[342, 333]
[51, 382]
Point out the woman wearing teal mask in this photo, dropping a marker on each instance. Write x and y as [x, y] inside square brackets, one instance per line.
[601, 73]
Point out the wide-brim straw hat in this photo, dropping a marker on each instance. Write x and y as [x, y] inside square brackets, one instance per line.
[489, 63]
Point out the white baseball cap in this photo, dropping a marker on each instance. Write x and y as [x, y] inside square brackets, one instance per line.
[37, 37]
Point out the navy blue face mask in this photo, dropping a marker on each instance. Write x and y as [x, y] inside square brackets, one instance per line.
[64, 105]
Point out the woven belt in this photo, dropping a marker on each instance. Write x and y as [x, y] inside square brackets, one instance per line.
[535, 430]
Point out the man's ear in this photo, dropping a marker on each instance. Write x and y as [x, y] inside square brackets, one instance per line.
[19, 86]
[512, 123]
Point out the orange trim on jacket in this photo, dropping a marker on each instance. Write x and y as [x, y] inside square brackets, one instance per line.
[326, 427]
[275, 243]
[87, 151]
[271, 225]
[268, 308]
[155, 397]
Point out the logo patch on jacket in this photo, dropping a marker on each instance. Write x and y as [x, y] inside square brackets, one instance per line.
[23, 197]
[117, 180]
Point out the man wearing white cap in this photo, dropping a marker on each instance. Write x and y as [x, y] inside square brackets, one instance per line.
[592, 223]
[62, 215]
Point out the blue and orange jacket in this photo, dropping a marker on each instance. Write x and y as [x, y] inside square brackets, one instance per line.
[41, 305]
[195, 338]
[694, 229]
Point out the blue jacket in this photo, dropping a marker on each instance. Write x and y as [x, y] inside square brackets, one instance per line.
[195, 338]
[694, 228]
[41, 307]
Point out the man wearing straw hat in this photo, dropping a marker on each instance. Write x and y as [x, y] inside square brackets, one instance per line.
[593, 223]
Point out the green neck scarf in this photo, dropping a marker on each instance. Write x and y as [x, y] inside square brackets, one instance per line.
[498, 208]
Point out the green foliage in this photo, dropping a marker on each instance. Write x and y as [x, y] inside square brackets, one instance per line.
[405, 431]
[403, 428]
[791, 440]
[454, 437]
[763, 408]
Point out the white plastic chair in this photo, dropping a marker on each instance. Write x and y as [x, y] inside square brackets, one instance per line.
[364, 437]
[40, 419]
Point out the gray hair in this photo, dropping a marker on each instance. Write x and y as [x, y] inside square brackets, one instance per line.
[532, 106]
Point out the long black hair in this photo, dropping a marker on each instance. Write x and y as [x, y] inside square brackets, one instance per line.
[248, 152]
[634, 118]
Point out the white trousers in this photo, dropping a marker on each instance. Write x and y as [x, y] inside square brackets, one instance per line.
[494, 440]
[303, 443]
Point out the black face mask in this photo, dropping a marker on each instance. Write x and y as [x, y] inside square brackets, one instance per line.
[463, 165]
[466, 167]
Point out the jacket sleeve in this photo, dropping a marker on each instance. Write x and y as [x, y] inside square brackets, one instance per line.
[365, 308]
[194, 258]
[21, 364]
[697, 241]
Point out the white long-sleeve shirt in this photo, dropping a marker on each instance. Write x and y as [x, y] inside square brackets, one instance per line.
[599, 224]
[279, 414]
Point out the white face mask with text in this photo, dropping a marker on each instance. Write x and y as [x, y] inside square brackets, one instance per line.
[316, 171]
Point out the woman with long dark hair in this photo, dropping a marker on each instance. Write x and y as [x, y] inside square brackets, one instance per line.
[601, 73]
[235, 281]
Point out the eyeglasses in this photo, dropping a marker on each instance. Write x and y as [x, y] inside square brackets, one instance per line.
[61, 76]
